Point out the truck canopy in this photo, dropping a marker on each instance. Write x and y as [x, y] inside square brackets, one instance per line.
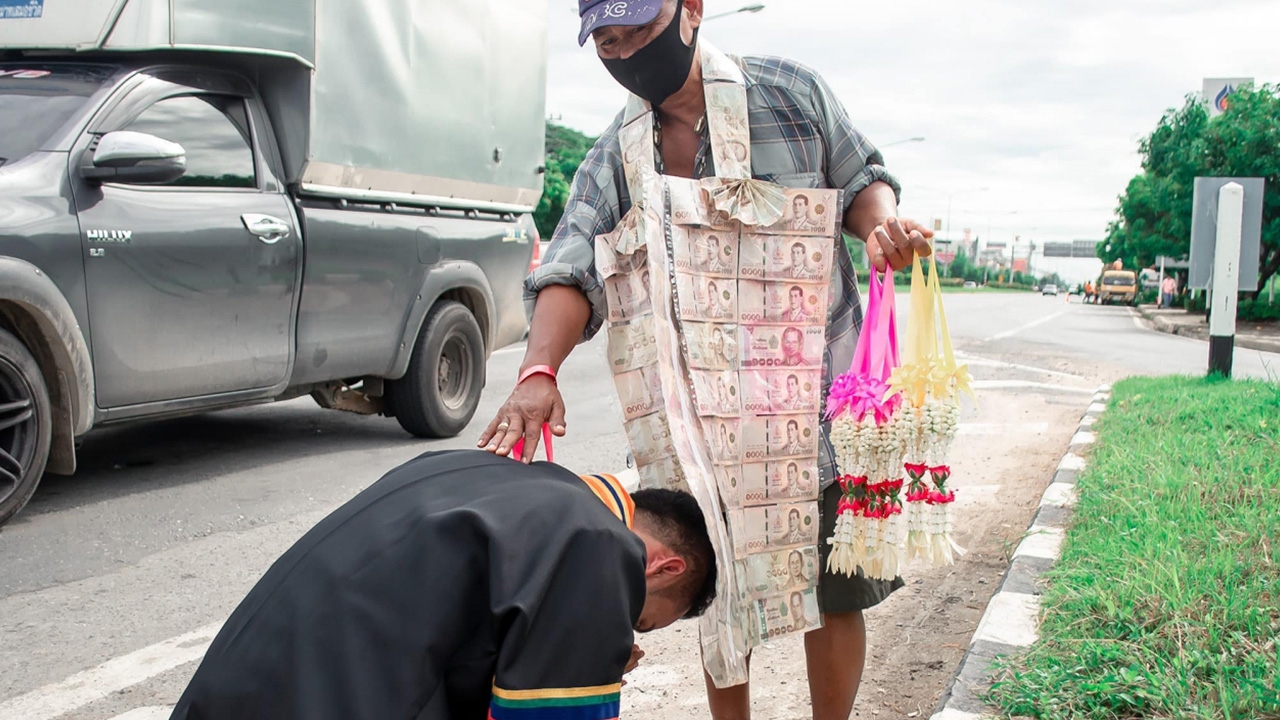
[435, 102]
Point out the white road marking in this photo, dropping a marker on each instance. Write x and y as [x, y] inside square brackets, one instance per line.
[1137, 319]
[112, 676]
[1028, 326]
[518, 347]
[147, 713]
[1026, 384]
[1033, 428]
[984, 362]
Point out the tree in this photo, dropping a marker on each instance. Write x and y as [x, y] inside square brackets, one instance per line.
[1153, 217]
[566, 149]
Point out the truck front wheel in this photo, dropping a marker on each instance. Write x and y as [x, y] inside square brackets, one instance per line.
[26, 425]
[439, 394]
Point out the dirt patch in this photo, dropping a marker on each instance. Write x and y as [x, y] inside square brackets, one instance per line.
[1003, 461]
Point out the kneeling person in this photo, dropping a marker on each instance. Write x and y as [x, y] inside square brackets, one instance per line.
[460, 585]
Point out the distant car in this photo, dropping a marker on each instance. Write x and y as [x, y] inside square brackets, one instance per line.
[1049, 290]
[1075, 290]
[969, 285]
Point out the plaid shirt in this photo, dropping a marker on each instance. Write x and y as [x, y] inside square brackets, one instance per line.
[801, 137]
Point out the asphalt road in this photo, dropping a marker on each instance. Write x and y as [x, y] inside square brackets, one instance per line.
[111, 580]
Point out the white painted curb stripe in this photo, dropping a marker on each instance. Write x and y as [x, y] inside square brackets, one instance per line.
[1083, 437]
[60, 698]
[1059, 495]
[1096, 409]
[953, 714]
[1071, 461]
[1011, 619]
[1041, 541]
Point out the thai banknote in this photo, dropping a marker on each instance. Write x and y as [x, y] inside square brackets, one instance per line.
[758, 483]
[773, 257]
[776, 437]
[689, 205]
[782, 346]
[627, 296]
[791, 480]
[639, 392]
[650, 439]
[793, 613]
[707, 298]
[705, 250]
[782, 302]
[665, 474]
[609, 261]
[632, 345]
[779, 573]
[723, 436]
[808, 212]
[712, 346]
[776, 392]
[773, 527]
[717, 392]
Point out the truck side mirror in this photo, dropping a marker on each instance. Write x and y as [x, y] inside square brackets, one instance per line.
[125, 156]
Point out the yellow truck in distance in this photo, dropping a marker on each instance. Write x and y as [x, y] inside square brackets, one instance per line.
[1118, 286]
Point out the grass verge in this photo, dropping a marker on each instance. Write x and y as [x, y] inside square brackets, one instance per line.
[1165, 602]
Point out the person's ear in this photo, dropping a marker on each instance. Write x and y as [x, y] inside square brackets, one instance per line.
[665, 567]
[693, 12]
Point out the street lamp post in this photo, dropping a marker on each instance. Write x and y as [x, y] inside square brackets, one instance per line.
[744, 9]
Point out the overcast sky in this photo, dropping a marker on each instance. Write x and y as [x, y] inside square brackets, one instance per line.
[1042, 102]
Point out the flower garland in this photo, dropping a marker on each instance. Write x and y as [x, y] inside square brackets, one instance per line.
[869, 443]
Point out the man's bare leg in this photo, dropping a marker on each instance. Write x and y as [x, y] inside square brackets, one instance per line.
[835, 655]
[731, 703]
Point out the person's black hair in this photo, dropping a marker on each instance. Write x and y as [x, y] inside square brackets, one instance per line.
[677, 521]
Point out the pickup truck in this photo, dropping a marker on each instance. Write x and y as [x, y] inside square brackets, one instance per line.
[157, 260]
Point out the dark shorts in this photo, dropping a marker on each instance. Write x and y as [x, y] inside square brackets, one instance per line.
[838, 593]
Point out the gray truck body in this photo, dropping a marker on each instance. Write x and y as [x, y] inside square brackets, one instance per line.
[316, 230]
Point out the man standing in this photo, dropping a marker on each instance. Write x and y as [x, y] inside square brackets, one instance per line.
[460, 586]
[801, 137]
[1168, 288]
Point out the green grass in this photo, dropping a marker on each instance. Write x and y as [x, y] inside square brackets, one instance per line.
[1165, 602]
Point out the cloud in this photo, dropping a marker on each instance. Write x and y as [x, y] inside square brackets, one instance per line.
[1044, 103]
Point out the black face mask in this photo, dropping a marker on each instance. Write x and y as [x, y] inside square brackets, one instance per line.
[657, 70]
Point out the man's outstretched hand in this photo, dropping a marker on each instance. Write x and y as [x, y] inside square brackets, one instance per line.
[533, 402]
[896, 241]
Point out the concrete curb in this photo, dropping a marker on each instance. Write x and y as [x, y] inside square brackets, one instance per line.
[1198, 332]
[1012, 619]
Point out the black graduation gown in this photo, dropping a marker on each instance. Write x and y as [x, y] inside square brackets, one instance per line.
[460, 585]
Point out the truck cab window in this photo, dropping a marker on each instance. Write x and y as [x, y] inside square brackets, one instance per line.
[214, 131]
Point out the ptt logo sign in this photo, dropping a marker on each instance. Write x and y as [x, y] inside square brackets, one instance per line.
[1217, 92]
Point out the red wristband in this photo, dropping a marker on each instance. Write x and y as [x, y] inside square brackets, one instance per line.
[537, 370]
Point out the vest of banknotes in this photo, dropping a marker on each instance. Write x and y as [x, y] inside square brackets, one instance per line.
[717, 294]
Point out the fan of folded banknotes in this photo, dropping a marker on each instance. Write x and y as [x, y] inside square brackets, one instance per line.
[893, 418]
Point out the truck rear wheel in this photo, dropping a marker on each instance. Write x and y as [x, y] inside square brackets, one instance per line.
[439, 394]
[26, 425]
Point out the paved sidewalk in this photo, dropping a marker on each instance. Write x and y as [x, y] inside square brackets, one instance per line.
[1251, 335]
